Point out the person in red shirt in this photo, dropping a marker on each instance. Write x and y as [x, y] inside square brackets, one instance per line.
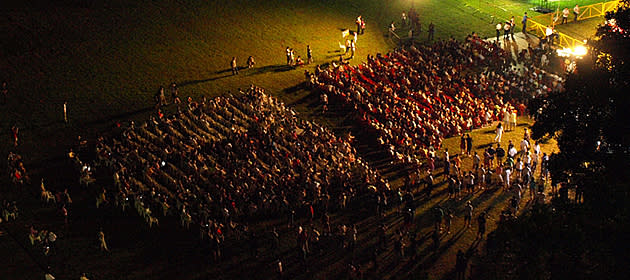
[521, 109]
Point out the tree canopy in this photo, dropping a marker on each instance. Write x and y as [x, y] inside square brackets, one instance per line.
[591, 121]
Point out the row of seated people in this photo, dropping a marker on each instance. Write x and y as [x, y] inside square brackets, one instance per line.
[228, 161]
[415, 98]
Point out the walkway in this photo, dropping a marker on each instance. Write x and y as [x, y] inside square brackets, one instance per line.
[520, 41]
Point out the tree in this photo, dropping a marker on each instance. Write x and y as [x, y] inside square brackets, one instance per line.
[590, 118]
[591, 121]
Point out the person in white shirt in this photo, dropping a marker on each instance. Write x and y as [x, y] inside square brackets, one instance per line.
[507, 172]
[353, 49]
[524, 147]
[499, 27]
[576, 12]
[565, 16]
[512, 152]
[499, 132]
[535, 157]
[528, 159]
[506, 118]
[519, 167]
[513, 119]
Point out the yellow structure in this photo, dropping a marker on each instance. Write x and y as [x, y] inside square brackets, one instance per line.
[537, 25]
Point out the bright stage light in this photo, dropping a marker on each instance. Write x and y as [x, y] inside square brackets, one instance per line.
[579, 51]
[566, 52]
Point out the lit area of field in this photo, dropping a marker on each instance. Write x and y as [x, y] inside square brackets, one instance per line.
[107, 59]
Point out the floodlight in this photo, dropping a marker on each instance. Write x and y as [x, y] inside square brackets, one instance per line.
[579, 51]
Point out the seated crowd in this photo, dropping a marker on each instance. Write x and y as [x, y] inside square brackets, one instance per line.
[223, 162]
[415, 98]
[16, 170]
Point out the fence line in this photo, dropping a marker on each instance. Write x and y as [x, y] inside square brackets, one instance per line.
[586, 12]
[565, 41]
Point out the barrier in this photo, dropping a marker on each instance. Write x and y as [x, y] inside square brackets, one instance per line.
[586, 12]
[597, 10]
[537, 25]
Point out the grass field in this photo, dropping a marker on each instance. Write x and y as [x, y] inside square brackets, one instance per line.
[583, 30]
[106, 59]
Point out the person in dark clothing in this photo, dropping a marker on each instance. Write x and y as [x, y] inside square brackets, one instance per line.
[436, 240]
[253, 245]
[429, 183]
[309, 54]
[439, 216]
[481, 220]
[469, 143]
[431, 31]
[175, 93]
[491, 152]
[413, 246]
[460, 265]
[500, 153]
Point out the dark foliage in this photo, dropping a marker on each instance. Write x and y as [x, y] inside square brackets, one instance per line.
[590, 121]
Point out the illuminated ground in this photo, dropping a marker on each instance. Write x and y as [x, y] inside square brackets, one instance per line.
[108, 59]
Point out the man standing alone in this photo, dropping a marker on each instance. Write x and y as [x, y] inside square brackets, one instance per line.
[506, 30]
[565, 15]
[499, 27]
[481, 220]
[234, 66]
[524, 22]
[309, 54]
[101, 240]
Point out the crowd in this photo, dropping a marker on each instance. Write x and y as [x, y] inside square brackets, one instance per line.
[415, 98]
[16, 170]
[9, 211]
[226, 162]
[222, 164]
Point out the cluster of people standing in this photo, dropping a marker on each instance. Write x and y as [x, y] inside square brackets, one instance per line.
[292, 60]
